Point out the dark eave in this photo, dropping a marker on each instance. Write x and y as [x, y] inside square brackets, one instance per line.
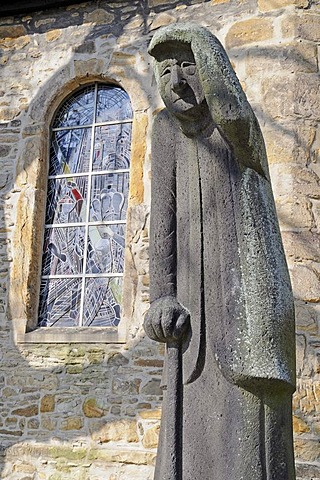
[16, 7]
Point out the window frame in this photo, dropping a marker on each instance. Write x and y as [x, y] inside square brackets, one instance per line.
[27, 330]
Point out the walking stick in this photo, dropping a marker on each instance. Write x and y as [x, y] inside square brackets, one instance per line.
[174, 412]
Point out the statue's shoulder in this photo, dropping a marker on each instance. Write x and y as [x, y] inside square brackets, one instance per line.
[163, 121]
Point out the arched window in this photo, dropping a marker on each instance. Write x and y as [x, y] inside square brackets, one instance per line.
[88, 186]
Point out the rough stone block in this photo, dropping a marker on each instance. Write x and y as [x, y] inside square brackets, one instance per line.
[72, 423]
[48, 423]
[12, 31]
[294, 213]
[151, 436]
[119, 430]
[29, 411]
[302, 246]
[280, 143]
[299, 425]
[278, 96]
[91, 409]
[306, 26]
[84, 68]
[161, 20]
[53, 35]
[306, 449]
[305, 283]
[151, 414]
[306, 95]
[307, 317]
[268, 5]
[47, 403]
[292, 57]
[152, 387]
[157, 3]
[138, 148]
[249, 31]
[99, 17]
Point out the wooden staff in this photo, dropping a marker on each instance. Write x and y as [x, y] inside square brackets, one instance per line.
[174, 412]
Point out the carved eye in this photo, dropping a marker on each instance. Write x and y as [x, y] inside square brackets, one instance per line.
[188, 68]
[166, 71]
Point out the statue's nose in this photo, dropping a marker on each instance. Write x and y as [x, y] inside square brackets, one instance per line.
[177, 81]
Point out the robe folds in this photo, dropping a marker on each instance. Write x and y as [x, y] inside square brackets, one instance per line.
[216, 246]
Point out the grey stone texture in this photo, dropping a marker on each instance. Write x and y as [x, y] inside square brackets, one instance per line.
[220, 291]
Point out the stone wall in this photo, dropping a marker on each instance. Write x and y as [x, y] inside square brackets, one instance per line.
[91, 410]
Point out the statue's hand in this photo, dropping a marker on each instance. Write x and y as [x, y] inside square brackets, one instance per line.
[166, 320]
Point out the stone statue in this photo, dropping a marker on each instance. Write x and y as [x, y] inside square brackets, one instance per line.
[221, 298]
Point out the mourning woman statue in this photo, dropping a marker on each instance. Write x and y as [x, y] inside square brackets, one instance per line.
[220, 290]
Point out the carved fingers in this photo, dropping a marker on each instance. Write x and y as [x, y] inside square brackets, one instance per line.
[167, 320]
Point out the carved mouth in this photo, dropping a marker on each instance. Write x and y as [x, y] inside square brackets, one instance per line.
[188, 100]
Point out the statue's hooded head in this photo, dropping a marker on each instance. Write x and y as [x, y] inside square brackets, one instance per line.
[188, 60]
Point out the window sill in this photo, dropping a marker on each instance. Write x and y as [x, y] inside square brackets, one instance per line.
[73, 335]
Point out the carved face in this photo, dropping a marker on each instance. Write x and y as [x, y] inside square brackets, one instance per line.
[179, 83]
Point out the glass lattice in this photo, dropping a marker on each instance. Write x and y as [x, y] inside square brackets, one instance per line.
[88, 188]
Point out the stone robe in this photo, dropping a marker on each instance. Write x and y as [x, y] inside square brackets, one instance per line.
[216, 246]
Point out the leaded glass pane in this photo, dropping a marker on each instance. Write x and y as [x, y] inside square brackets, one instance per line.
[113, 105]
[67, 200]
[112, 146]
[103, 297]
[106, 249]
[70, 151]
[77, 110]
[60, 302]
[63, 251]
[109, 197]
[87, 199]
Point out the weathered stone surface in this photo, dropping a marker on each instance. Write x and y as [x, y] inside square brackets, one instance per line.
[307, 317]
[306, 96]
[306, 449]
[99, 16]
[91, 409]
[306, 283]
[249, 31]
[278, 96]
[83, 68]
[152, 388]
[72, 423]
[47, 404]
[12, 31]
[156, 3]
[151, 414]
[53, 35]
[185, 213]
[161, 20]
[117, 359]
[48, 423]
[306, 27]
[292, 57]
[299, 425]
[118, 430]
[29, 411]
[268, 5]
[150, 438]
[294, 213]
[301, 246]
[5, 150]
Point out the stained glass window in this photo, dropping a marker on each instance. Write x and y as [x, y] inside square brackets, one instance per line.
[88, 186]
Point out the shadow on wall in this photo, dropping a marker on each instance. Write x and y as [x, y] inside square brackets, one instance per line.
[75, 400]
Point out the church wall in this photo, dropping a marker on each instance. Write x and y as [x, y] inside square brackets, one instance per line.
[88, 411]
